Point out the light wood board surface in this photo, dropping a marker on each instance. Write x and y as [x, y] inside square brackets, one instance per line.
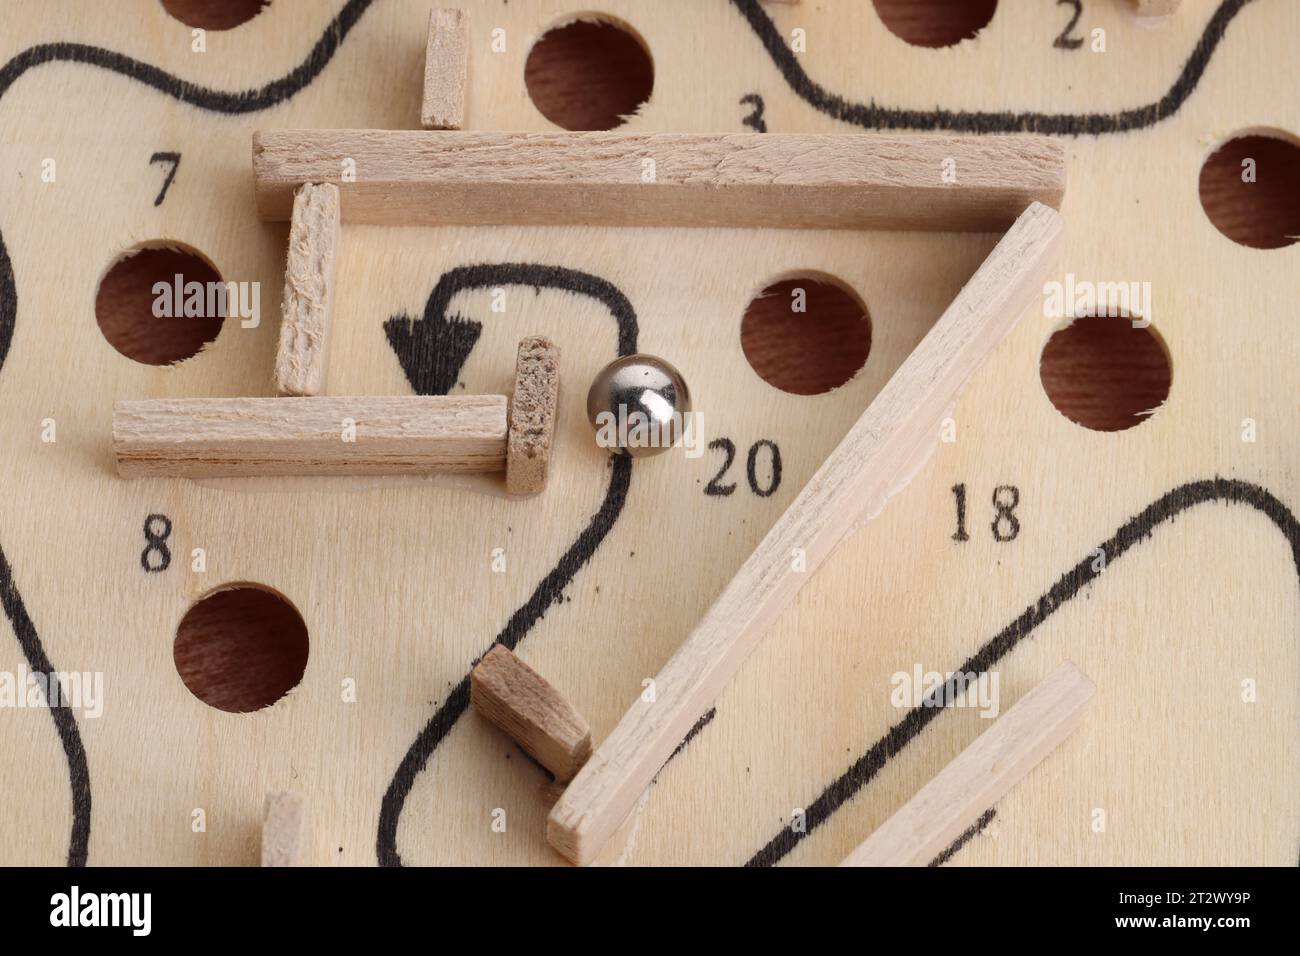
[605, 573]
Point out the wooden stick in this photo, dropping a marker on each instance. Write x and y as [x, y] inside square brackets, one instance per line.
[877, 458]
[284, 830]
[218, 437]
[981, 774]
[532, 416]
[446, 70]
[751, 180]
[302, 358]
[517, 699]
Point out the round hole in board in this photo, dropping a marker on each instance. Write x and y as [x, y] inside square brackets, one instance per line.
[1250, 190]
[153, 327]
[589, 74]
[1103, 373]
[241, 648]
[935, 23]
[806, 334]
[214, 14]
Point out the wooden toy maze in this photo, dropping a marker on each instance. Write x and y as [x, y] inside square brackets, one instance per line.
[980, 545]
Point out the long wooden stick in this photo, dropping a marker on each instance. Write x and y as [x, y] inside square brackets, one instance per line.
[311, 268]
[981, 774]
[876, 459]
[801, 181]
[372, 435]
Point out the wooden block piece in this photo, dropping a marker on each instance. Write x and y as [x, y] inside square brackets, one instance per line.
[742, 180]
[446, 70]
[325, 435]
[874, 461]
[284, 830]
[981, 774]
[517, 699]
[309, 279]
[532, 415]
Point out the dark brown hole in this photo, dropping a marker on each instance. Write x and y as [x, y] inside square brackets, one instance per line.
[935, 23]
[806, 352]
[214, 14]
[124, 306]
[241, 648]
[589, 75]
[1104, 374]
[1264, 214]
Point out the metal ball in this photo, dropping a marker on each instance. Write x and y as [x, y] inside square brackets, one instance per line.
[638, 404]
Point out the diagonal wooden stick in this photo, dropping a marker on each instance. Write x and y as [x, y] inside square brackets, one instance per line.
[876, 459]
[981, 774]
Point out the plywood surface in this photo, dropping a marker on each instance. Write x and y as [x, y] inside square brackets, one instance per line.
[404, 582]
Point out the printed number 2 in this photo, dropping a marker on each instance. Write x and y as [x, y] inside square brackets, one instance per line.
[157, 529]
[1065, 41]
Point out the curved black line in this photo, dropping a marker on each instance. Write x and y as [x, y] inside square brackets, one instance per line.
[551, 588]
[64, 723]
[280, 90]
[1136, 529]
[217, 101]
[871, 116]
[273, 93]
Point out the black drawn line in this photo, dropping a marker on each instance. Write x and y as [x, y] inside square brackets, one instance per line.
[972, 831]
[1137, 529]
[65, 725]
[277, 91]
[872, 116]
[551, 588]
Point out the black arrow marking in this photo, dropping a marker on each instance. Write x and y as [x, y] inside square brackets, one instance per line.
[551, 588]
[280, 90]
[432, 351]
[871, 116]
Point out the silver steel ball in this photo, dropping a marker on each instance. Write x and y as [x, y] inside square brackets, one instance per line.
[638, 404]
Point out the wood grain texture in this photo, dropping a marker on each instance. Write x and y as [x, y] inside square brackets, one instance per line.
[226, 437]
[302, 359]
[795, 181]
[284, 830]
[1156, 8]
[533, 405]
[393, 576]
[998, 759]
[446, 69]
[877, 458]
[510, 694]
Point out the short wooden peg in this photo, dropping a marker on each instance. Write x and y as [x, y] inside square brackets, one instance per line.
[521, 702]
